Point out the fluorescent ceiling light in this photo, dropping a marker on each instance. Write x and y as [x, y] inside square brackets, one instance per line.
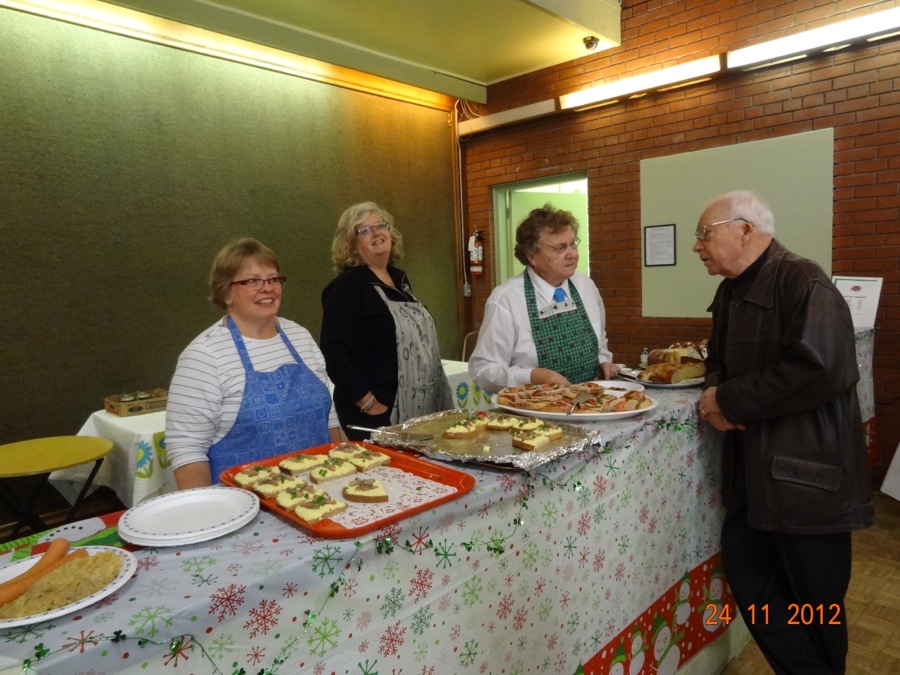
[611, 92]
[870, 27]
[506, 117]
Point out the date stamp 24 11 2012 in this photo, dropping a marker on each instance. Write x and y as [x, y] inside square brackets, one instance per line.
[798, 614]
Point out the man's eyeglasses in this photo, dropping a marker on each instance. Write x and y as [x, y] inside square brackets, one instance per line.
[702, 232]
[372, 229]
[559, 249]
[253, 283]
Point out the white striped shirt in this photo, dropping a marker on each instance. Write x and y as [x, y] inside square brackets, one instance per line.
[208, 385]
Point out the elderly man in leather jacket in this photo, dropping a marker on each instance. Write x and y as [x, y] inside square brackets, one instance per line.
[781, 382]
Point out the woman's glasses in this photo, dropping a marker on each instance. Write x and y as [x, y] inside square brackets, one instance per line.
[253, 283]
[372, 229]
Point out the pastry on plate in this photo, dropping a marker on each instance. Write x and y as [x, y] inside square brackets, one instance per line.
[318, 508]
[365, 490]
[247, 477]
[367, 459]
[301, 463]
[290, 498]
[529, 440]
[331, 469]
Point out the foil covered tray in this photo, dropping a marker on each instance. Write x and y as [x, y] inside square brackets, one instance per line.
[489, 446]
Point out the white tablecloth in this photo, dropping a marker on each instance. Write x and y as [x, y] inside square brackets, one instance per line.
[136, 469]
[603, 561]
[466, 394]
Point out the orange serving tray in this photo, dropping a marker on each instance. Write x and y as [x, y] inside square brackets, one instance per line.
[414, 484]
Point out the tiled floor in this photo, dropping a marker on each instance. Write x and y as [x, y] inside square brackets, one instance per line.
[873, 601]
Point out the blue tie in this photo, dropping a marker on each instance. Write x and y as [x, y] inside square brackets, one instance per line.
[559, 295]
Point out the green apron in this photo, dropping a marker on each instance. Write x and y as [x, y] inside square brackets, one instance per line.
[564, 342]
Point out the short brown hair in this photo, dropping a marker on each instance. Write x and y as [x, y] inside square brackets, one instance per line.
[546, 219]
[343, 249]
[229, 260]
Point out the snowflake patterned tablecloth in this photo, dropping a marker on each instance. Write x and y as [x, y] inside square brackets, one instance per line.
[604, 561]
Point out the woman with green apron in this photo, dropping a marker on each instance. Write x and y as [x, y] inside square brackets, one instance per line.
[547, 324]
[380, 343]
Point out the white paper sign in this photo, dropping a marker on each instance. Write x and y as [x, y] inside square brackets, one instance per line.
[861, 294]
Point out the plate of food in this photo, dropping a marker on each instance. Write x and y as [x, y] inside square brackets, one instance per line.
[679, 365]
[342, 490]
[584, 402]
[188, 516]
[495, 438]
[61, 581]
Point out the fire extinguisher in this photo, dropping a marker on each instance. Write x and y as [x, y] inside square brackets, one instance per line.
[476, 254]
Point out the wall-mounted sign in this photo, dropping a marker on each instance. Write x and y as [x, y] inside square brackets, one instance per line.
[861, 294]
[659, 245]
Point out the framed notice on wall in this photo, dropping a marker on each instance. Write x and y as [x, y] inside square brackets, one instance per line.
[659, 245]
[861, 294]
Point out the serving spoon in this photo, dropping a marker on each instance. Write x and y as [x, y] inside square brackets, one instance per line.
[411, 436]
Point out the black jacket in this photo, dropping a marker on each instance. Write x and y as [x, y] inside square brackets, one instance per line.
[788, 372]
[358, 338]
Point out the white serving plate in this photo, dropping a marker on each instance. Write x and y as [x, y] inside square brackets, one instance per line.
[632, 375]
[188, 516]
[582, 417]
[129, 565]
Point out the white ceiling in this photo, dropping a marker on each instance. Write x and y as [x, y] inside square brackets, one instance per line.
[455, 47]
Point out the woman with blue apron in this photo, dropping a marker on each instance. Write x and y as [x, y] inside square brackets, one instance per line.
[251, 386]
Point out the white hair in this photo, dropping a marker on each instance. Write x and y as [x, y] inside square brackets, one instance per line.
[750, 207]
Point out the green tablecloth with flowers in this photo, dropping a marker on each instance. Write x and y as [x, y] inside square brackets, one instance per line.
[603, 561]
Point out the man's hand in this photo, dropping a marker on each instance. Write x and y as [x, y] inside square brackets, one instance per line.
[709, 411]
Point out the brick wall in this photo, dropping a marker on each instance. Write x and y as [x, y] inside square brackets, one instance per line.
[856, 92]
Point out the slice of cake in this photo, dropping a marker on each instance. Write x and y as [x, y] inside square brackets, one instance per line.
[331, 469]
[529, 423]
[299, 464]
[501, 422]
[365, 490]
[318, 508]
[369, 459]
[468, 428]
[529, 440]
[551, 431]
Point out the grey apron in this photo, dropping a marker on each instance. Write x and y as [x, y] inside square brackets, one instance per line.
[422, 385]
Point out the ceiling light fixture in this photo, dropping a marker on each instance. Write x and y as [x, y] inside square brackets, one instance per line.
[876, 26]
[666, 77]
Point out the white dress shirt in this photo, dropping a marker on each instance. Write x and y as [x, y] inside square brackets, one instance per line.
[505, 353]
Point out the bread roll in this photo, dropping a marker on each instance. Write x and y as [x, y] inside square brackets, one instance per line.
[671, 373]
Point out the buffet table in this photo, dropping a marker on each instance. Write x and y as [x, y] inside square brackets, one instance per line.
[605, 560]
[137, 467]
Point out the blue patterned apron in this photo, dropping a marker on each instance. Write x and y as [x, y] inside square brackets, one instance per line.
[282, 411]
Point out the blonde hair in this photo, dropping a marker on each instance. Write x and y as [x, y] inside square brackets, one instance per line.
[229, 260]
[343, 246]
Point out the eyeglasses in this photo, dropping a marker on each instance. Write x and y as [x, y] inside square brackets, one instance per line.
[559, 249]
[253, 283]
[702, 232]
[372, 229]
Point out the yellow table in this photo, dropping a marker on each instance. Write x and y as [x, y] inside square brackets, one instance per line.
[41, 456]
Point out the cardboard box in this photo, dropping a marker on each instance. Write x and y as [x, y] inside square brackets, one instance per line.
[154, 403]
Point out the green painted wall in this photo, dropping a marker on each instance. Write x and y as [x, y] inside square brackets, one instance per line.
[125, 166]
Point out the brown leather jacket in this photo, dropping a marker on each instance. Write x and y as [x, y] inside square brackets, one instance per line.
[788, 372]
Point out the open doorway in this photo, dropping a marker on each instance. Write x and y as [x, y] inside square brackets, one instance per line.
[514, 201]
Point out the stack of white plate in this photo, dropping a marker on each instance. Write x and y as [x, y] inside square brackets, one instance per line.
[188, 516]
